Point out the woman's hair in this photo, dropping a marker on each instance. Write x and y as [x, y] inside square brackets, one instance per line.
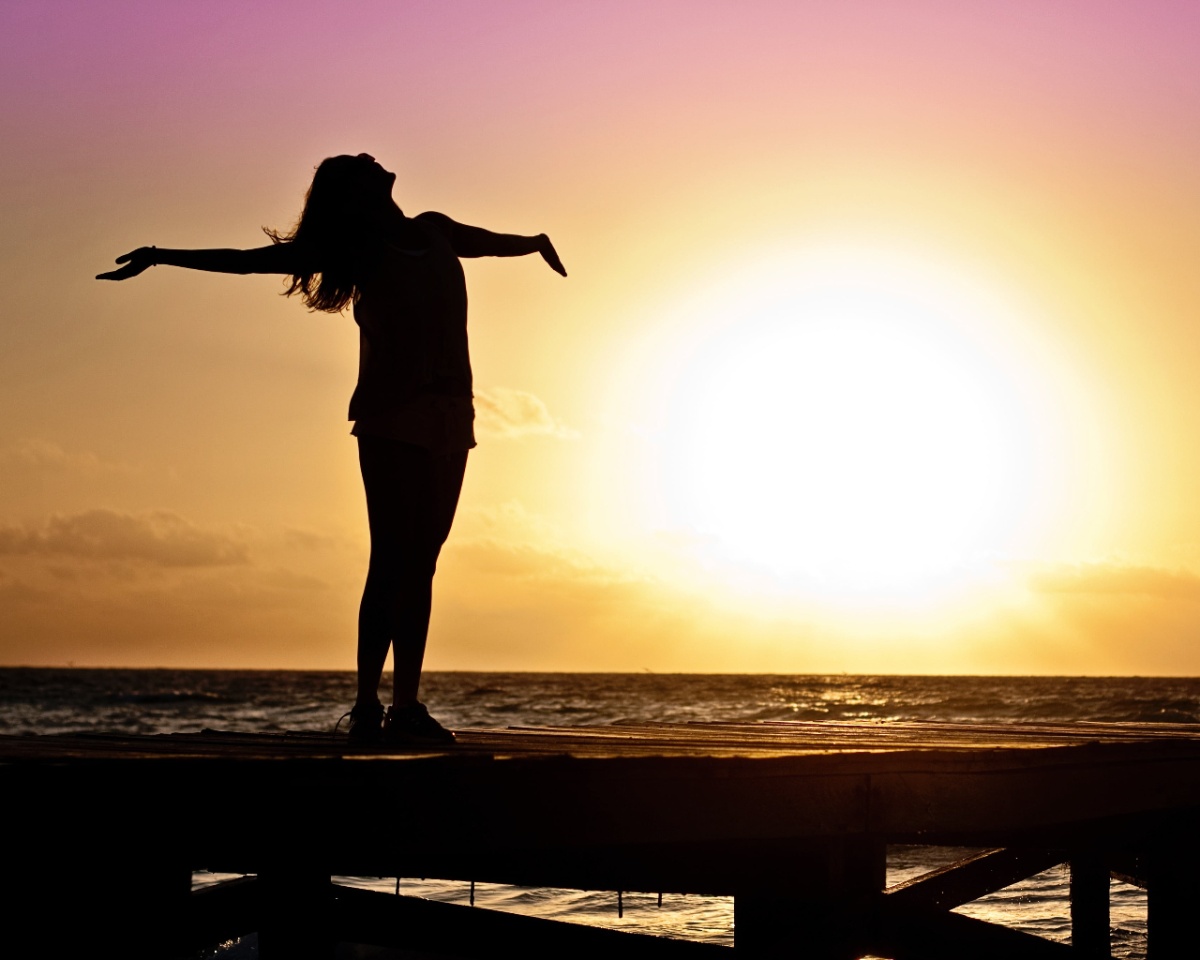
[337, 230]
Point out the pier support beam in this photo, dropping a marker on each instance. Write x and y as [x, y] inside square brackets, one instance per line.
[1090, 906]
[1172, 894]
[827, 908]
[813, 927]
[296, 914]
[87, 863]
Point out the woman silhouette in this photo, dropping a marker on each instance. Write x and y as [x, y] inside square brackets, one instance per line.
[412, 410]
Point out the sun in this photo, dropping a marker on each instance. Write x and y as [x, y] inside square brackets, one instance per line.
[847, 422]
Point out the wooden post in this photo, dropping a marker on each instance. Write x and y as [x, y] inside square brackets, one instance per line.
[152, 899]
[296, 919]
[1090, 906]
[826, 912]
[1172, 893]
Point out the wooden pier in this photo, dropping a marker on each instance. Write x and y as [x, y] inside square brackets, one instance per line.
[790, 819]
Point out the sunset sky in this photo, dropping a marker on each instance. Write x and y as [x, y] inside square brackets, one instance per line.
[878, 351]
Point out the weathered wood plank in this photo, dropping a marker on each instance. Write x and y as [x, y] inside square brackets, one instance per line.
[1129, 867]
[682, 790]
[973, 877]
[936, 935]
[717, 739]
[411, 923]
[1006, 798]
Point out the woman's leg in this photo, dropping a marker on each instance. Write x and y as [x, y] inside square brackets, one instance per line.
[445, 475]
[411, 499]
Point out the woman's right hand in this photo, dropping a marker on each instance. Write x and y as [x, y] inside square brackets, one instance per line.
[135, 262]
[550, 255]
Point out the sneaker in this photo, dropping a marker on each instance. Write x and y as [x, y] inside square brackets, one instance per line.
[413, 725]
[366, 722]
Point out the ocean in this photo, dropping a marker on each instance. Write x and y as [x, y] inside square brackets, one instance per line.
[48, 701]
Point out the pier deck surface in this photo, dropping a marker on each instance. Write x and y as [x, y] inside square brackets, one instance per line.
[898, 781]
[768, 813]
[773, 738]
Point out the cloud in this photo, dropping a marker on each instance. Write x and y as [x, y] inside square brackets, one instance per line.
[1113, 579]
[525, 561]
[1107, 618]
[207, 616]
[159, 538]
[508, 414]
[46, 455]
[509, 541]
[297, 539]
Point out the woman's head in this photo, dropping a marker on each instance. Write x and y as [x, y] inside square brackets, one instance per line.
[350, 187]
[345, 214]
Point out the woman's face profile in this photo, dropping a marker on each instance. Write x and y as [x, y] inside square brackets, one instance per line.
[375, 177]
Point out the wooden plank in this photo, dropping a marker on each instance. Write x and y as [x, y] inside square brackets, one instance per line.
[1129, 867]
[235, 908]
[410, 923]
[913, 934]
[480, 810]
[1006, 799]
[972, 877]
[1006, 796]
[628, 740]
[873, 749]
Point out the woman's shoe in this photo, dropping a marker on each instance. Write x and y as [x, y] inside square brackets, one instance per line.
[413, 725]
[366, 722]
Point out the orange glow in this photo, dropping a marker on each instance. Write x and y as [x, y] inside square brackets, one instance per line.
[875, 353]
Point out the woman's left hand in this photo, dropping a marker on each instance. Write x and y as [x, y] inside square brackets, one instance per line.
[135, 262]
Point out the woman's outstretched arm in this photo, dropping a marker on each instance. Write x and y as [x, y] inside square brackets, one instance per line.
[276, 258]
[476, 242]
